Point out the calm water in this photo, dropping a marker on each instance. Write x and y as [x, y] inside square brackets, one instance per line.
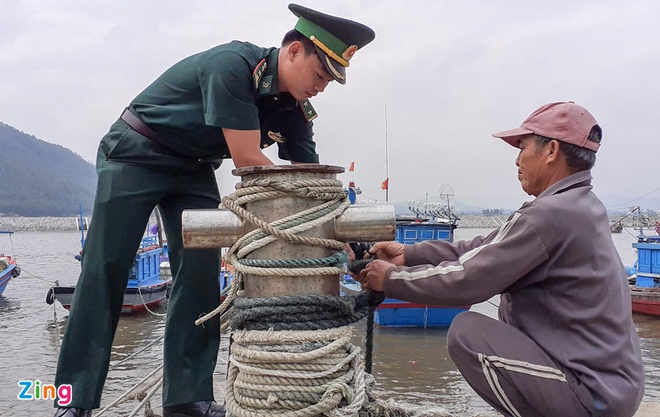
[410, 365]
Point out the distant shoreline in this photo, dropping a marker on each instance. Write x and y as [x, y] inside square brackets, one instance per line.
[56, 224]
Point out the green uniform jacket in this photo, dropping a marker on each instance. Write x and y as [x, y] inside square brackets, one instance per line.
[231, 86]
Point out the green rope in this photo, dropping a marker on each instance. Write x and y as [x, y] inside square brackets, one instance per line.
[336, 259]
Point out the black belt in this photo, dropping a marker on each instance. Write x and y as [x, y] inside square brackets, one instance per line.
[139, 126]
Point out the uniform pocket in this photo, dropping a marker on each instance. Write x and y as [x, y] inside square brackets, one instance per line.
[112, 139]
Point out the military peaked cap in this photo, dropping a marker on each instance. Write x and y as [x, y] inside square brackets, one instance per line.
[336, 39]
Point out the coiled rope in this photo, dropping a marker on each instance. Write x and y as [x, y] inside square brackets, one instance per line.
[292, 356]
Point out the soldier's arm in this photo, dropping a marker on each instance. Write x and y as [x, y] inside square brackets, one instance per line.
[244, 147]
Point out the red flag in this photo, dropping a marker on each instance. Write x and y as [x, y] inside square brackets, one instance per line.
[385, 184]
[352, 167]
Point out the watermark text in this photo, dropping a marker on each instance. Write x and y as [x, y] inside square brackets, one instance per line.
[35, 390]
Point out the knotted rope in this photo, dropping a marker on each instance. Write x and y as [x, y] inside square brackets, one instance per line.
[333, 205]
[292, 356]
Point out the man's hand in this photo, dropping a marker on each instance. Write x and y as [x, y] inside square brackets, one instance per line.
[373, 275]
[392, 252]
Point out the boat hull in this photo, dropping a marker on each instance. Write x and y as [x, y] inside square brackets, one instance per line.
[9, 270]
[645, 291]
[136, 299]
[645, 300]
[397, 313]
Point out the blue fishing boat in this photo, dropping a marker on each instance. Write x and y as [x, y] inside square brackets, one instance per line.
[8, 267]
[645, 284]
[224, 278]
[146, 287]
[398, 313]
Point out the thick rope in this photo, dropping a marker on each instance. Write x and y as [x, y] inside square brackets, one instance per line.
[293, 356]
[282, 382]
[127, 395]
[260, 237]
[307, 312]
[145, 403]
[317, 371]
[142, 349]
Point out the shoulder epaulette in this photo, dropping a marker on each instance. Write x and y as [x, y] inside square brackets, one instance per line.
[259, 72]
[308, 110]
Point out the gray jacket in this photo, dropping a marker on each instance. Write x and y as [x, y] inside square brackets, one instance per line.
[561, 282]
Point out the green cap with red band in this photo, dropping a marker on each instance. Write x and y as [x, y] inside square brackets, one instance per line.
[336, 39]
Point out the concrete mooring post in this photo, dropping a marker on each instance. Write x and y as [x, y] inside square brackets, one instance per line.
[221, 228]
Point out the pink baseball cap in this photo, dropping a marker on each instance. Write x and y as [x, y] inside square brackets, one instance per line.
[563, 121]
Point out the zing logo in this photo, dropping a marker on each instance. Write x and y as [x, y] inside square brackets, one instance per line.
[33, 390]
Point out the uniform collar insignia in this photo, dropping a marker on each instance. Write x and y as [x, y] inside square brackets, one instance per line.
[265, 85]
[268, 75]
[308, 110]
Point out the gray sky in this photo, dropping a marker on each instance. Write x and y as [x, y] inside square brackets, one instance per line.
[449, 72]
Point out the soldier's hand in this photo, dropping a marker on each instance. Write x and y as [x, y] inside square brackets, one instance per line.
[392, 252]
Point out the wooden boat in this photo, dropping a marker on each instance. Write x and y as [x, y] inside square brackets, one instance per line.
[645, 286]
[146, 287]
[8, 268]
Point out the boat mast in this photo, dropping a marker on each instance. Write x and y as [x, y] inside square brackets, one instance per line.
[387, 162]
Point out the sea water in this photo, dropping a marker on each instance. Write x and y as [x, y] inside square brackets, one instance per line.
[410, 365]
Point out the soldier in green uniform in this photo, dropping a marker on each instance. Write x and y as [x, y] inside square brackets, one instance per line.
[228, 102]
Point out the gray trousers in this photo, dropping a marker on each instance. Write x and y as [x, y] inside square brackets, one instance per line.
[509, 370]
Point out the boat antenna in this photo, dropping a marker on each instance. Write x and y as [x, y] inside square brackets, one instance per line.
[387, 162]
[159, 222]
[447, 192]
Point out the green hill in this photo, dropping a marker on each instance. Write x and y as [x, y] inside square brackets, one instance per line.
[41, 178]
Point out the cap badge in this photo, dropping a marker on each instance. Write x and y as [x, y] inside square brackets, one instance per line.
[349, 52]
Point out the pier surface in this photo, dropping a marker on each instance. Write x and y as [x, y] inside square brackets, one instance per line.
[648, 409]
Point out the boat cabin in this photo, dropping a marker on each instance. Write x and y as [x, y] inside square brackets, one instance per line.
[648, 261]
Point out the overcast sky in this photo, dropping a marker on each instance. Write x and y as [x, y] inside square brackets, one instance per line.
[449, 73]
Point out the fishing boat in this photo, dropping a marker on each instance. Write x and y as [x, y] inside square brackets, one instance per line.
[645, 285]
[225, 277]
[398, 313]
[146, 287]
[8, 267]
[430, 222]
[617, 226]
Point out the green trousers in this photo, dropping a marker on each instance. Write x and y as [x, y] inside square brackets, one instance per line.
[134, 176]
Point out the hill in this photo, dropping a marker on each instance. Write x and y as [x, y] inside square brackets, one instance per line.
[41, 178]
